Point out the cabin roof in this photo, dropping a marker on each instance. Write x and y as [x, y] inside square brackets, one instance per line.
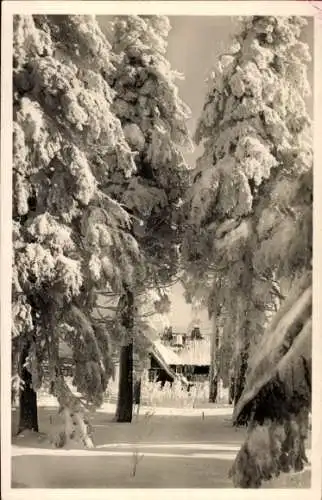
[166, 358]
[196, 353]
[168, 355]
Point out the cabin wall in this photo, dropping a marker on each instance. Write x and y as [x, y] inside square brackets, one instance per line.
[195, 373]
[156, 372]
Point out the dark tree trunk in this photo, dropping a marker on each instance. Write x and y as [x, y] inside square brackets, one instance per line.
[28, 415]
[213, 390]
[231, 395]
[125, 393]
[245, 329]
[215, 366]
[137, 392]
[240, 377]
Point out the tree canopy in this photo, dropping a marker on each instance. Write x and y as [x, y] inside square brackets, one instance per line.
[154, 122]
[70, 237]
[249, 210]
[98, 178]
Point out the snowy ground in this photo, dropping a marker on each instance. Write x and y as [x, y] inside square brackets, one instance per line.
[183, 448]
[207, 408]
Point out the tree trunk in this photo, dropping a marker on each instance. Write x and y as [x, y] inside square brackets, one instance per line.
[28, 415]
[213, 389]
[213, 375]
[231, 394]
[212, 372]
[244, 327]
[125, 392]
[137, 392]
[240, 376]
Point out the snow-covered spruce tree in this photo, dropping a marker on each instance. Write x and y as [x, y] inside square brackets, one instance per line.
[244, 206]
[277, 397]
[69, 237]
[154, 123]
[276, 400]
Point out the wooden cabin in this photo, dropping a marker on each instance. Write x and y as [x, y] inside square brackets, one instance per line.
[192, 362]
[195, 360]
[165, 364]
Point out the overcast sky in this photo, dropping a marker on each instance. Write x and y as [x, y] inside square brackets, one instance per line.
[193, 45]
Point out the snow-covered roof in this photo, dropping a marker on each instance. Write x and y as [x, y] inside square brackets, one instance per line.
[196, 353]
[169, 356]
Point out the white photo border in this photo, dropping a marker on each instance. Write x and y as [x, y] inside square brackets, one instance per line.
[184, 8]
